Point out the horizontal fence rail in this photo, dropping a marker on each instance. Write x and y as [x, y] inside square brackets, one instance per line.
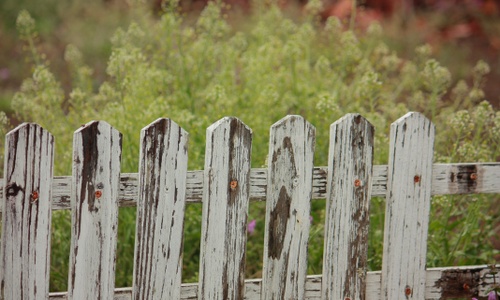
[163, 186]
[440, 283]
[447, 179]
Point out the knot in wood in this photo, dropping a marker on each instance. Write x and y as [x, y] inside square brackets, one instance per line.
[12, 189]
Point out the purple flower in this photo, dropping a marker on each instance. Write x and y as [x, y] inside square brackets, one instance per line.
[4, 73]
[251, 226]
[492, 295]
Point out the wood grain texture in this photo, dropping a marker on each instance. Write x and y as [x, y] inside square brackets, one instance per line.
[480, 279]
[160, 211]
[225, 210]
[444, 182]
[94, 205]
[407, 207]
[163, 187]
[345, 258]
[289, 192]
[25, 248]
[468, 178]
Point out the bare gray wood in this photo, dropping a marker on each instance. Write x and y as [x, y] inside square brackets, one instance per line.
[226, 196]
[438, 286]
[160, 211]
[407, 207]
[468, 178]
[25, 248]
[94, 205]
[345, 258]
[289, 192]
[444, 182]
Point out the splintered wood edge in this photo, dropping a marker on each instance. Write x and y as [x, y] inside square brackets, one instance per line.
[447, 179]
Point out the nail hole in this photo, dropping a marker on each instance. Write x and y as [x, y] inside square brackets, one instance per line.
[34, 196]
[408, 291]
[233, 184]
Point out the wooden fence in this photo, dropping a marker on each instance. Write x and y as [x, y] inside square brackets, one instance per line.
[163, 186]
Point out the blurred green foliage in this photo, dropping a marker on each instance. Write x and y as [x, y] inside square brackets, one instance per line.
[197, 72]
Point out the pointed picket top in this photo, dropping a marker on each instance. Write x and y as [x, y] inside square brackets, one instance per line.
[345, 258]
[226, 192]
[289, 192]
[408, 206]
[94, 209]
[26, 213]
[160, 211]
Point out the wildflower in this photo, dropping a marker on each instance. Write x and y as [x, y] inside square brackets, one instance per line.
[4, 74]
[251, 226]
[436, 78]
[481, 69]
[491, 296]
[25, 24]
[314, 7]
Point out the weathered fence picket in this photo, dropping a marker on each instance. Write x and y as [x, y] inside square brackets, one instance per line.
[225, 209]
[408, 206]
[160, 211]
[26, 208]
[289, 193]
[345, 258]
[94, 207]
[163, 187]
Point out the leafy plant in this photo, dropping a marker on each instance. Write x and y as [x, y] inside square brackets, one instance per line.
[196, 73]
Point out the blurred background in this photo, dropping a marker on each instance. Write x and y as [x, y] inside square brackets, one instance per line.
[460, 32]
[71, 63]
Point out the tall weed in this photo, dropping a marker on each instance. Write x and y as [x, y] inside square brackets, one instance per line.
[196, 73]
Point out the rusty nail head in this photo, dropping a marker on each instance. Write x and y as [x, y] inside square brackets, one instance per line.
[473, 176]
[416, 179]
[357, 183]
[98, 194]
[408, 291]
[234, 184]
[347, 298]
[466, 287]
[34, 196]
